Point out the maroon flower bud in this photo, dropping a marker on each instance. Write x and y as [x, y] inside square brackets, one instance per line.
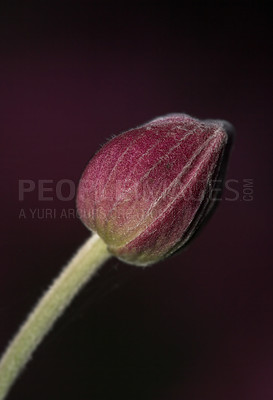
[148, 190]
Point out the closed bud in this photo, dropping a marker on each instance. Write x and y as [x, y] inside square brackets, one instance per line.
[148, 190]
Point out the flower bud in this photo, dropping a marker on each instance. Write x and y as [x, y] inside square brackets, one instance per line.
[148, 190]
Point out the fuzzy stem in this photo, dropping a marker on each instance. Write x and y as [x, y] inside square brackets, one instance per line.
[50, 307]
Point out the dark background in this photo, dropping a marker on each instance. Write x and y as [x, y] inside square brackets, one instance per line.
[198, 326]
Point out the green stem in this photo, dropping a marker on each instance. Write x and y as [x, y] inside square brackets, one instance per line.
[52, 304]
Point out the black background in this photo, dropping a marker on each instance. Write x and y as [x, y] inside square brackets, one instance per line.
[198, 326]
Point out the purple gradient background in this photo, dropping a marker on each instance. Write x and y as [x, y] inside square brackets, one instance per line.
[198, 326]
